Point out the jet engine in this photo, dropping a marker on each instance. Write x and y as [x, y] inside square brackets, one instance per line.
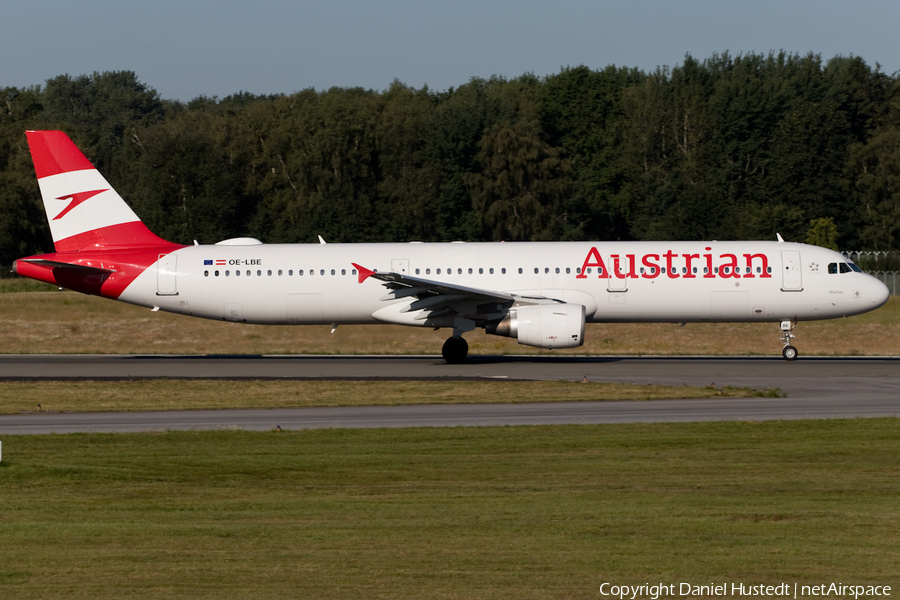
[542, 325]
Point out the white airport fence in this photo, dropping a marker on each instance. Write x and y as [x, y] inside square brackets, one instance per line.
[889, 278]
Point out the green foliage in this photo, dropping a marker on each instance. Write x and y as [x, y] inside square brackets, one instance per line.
[730, 147]
[822, 232]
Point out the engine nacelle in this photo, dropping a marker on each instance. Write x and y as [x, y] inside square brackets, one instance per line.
[542, 325]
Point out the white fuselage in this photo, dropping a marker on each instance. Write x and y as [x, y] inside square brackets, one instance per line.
[615, 281]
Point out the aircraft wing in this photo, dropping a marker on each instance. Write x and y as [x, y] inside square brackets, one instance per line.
[416, 286]
[437, 298]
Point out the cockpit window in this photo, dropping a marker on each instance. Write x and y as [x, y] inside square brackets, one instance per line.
[845, 268]
[832, 268]
[855, 268]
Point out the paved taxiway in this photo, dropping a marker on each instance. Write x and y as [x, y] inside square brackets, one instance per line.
[815, 388]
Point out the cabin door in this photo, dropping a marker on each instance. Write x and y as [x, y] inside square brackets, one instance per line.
[166, 269]
[791, 273]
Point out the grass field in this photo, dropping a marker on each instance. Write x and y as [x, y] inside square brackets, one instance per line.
[42, 322]
[162, 394]
[511, 512]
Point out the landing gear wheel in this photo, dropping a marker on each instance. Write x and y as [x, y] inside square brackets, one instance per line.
[789, 352]
[455, 350]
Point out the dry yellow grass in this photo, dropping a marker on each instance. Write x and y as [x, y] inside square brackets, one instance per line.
[166, 394]
[67, 322]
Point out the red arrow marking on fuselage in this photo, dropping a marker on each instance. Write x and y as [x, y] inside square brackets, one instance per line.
[76, 199]
[364, 273]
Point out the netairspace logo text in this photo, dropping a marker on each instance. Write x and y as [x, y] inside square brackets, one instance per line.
[783, 590]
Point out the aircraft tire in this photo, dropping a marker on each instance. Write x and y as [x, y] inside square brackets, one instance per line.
[789, 353]
[455, 350]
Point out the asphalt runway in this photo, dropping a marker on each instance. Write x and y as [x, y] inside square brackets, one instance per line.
[815, 387]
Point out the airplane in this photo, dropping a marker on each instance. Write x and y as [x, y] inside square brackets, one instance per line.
[540, 293]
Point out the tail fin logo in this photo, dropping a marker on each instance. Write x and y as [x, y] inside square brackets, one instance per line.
[76, 199]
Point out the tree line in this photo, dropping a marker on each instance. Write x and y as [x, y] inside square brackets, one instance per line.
[731, 147]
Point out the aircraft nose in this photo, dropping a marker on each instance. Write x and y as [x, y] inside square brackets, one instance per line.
[880, 293]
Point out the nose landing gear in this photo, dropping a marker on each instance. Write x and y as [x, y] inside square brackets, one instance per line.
[788, 352]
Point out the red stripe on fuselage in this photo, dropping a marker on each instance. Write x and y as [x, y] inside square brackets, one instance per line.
[124, 266]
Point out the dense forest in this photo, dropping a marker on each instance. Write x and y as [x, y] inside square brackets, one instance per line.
[731, 147]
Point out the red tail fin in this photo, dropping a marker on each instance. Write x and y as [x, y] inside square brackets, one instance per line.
[83, 209]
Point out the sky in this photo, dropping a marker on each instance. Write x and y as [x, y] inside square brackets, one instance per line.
[189, 48]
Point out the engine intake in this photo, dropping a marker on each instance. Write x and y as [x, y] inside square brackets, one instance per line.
[542, 325]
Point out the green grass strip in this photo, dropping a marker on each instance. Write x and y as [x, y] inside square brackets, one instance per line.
[509, 512]
[162, 394]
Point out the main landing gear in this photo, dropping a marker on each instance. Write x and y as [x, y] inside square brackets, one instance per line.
[455, 350]
[789, 352]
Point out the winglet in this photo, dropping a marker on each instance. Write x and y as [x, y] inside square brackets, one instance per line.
[364, 273]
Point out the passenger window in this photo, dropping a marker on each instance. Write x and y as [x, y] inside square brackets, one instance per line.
[503, 271]
[290, 272]
[589, 270]
[706, 269]
[321, 271]
[520, 270]
[470, 271]
[227, 273]
[269, 272]
[459, 271]
[557, 270]
[353, 272]
[491, 270]
[480, 271]
[343, 271]
[279, 272]
[237, 273]
[536, 270]
[206, 273]
[642, 270]
[438, 271]
[417, 271]
[217, 273]
[428, 271]
[300, 272]
[332, 271]
[568, 271]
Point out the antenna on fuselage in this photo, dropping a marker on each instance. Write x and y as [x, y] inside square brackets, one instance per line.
[321, 241]
[778, 235]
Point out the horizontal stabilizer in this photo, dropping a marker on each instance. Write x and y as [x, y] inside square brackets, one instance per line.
[63, 265]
